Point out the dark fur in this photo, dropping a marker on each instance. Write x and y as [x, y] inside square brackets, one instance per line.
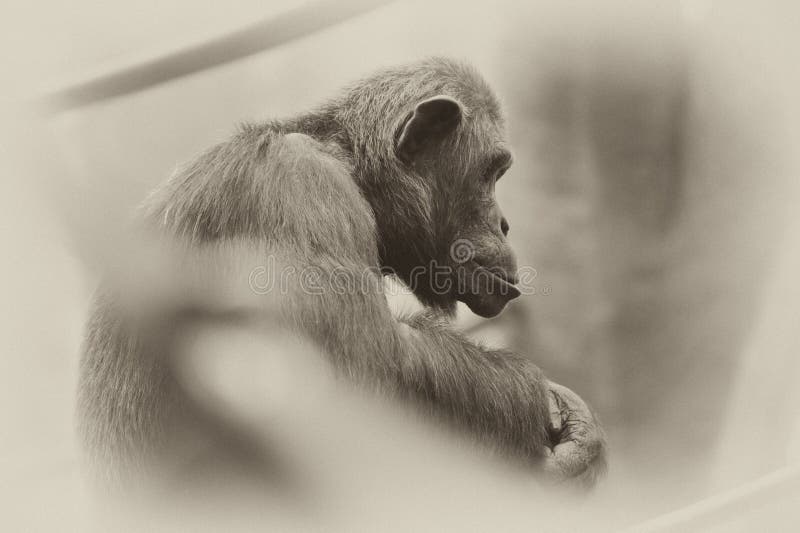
[337, 196]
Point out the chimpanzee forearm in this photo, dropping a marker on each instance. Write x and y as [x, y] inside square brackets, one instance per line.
[496, 395]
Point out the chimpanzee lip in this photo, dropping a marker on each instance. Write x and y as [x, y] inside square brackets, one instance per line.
[504, 276]
[508, 280]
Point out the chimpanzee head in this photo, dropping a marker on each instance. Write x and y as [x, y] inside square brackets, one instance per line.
[427, 157]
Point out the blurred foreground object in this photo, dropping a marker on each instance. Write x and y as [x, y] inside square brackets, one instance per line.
[258, 37]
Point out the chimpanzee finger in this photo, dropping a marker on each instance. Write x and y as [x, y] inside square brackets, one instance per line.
[555, 412]
[572, 458]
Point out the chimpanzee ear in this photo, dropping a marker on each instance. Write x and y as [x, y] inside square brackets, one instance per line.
[431, 120]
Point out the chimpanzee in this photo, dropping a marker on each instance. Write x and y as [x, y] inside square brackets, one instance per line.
[396, 175]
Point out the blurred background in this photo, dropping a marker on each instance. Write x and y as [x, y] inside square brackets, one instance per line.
[654, 192]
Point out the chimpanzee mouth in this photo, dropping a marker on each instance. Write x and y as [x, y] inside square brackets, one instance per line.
[486, 290]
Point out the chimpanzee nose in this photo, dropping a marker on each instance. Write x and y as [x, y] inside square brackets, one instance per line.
[504, 226]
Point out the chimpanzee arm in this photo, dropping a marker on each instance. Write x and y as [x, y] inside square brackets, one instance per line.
[504, 400]
[499, 395]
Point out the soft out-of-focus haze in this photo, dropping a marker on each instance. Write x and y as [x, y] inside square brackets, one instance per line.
[654, 192]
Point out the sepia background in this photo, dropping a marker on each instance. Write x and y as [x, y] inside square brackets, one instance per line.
[654, 192]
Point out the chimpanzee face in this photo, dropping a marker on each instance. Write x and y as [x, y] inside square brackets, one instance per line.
[461, 161]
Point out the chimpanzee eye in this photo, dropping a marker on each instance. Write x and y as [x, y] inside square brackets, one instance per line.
[498, 164]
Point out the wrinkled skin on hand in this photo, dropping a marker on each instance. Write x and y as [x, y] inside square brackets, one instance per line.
[578, 445]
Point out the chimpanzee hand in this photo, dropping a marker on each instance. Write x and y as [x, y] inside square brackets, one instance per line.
[578, 446]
